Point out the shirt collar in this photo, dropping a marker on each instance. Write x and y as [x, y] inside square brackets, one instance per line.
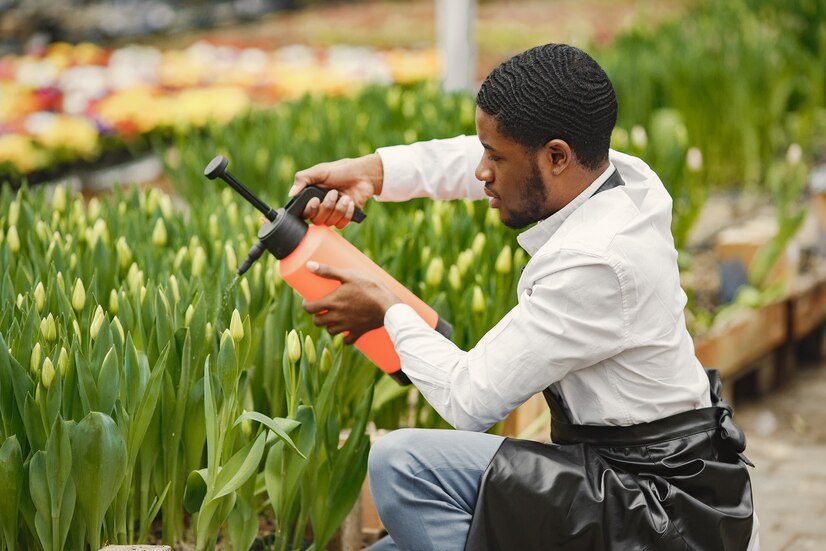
[532, 239]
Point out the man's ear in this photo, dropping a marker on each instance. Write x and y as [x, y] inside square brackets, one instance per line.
[559, 155]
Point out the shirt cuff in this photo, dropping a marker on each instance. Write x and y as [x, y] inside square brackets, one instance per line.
[402, 316]
[396, 161]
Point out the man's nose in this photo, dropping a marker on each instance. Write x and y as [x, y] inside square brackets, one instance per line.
[483, 173]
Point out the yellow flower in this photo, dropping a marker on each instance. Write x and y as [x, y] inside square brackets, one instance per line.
[59, 199]
[48, 328]
[454, 278]
[119, 327]
[159, 233]
[39, 297]
[232, 260]
[124, 252]
[34, 361]
[478, 243]
[21, 152]
[97, 322]
[236, 327]
[435, 272]
[504, 261]
[326, 360]
[198, 261]
[47, 373]
[293, 347]
[63, 361]
[173, 286]
[78, 296]
[13, 239]
[188, 315]
[478, 300]
[309, 350]
[113, 302]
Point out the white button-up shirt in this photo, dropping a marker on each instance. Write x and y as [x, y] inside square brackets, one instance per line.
[600, 311]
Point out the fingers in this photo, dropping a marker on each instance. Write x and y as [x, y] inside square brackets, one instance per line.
[328, 272]
[312, 176]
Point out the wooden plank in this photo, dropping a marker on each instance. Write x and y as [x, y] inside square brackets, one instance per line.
[522, 417]
[808, 309]
[731, 347]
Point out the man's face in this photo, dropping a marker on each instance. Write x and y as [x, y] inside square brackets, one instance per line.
[511, 174]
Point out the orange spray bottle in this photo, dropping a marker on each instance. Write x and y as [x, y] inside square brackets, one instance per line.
[294, 243]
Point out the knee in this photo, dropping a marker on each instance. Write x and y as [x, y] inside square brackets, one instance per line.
[392, 453]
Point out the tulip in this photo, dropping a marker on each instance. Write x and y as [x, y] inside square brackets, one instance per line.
[208, 330]
[134, 278]
[119, 327]
[76, 327]
[454, 278]
[212, 226]
[425, 255]
[14, 212]
[124, 252]
[309, 350]
[245, 289]
[48, 328]
[142, 293]
[326, 360]
[188, 315]
[165, 203]
[503, 261]
[619, 138]
[39, 297]
[159, 233]
[47, 373]
[477, 304]
[198, 261]
[173, 287]
[13, 239]
[232, 260]
[478, 244]
[34, 361]
[94, 207]
[435, 272]
[293, 347]
[97, 321]
[179, 258]
[227, 334]
[78, 296]
[113, 302]
[63, 361]
[638, 137]
[236, 327]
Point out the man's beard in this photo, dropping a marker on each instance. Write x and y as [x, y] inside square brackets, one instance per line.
[532, 199]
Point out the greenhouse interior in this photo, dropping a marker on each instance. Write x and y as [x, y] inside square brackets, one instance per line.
[408, 274]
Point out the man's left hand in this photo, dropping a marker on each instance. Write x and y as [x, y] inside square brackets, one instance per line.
[358, 305]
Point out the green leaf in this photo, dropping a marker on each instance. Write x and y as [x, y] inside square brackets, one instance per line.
[279, 425]
[196, 490]
[109, 382]
[227, 365]
[11, 486]
[243, 464]
[98, 468]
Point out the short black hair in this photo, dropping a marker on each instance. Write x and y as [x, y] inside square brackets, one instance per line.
[555, 91]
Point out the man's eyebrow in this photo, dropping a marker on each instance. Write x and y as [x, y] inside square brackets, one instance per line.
[486, 146]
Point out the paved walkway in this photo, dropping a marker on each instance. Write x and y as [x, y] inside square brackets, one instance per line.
[786, 434]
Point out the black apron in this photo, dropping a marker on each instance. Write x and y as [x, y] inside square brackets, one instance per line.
[678, 483]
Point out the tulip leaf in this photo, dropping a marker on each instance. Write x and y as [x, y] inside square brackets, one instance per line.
[243, 464]
[11, 486]
[109, 382]
[279, 425]
[196, 489]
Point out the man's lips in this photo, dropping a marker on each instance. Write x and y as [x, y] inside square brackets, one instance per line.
[493, 200]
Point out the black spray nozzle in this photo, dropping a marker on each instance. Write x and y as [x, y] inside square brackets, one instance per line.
[217, 168]
[254, 254]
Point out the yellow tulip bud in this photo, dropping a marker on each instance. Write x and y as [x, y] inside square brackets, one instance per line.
[60, 282]
[59, 198]
[208, 330]
[236, 327]
[76, 327]
[179, 258]
[97, 321]
[47, 373]
[425, 255]
[119, 327]
[309, 350]
[93, 208]
[435, 272]
[113, 302]
[142, 293]
[42, 231]
[34, 362]
[48, 328]
[39, 297]
[436, 225]
[173, 287]
[165, 203]
[101, 231]
[338, 341]
[464, 261]
[478, 245]
[78, 296]
[246, 427]
[503, 261]
[326, 360]
[63, 361]
[188, 315]
[293, 347]
[13, 239]
[159, 233]
[212, 226]
[134, 278]
[232, 260]
[454, 278]
[73, 261]
[478, 301]
[245, 290]
[121, 209]
[491, 217]
[232, 214]
[19, 300]
[14, 212]
[198, 261]
[124, 252]
[225, 335]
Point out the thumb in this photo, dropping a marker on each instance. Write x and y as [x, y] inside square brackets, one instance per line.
[308, 177]
[328, 272]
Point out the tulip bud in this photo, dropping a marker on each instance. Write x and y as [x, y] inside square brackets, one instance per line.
[293, 347]
[48, 328]
[619, 138]
[34, 363]
[63, 362]
[469, 208]
[78, 296]
[425, 255]
[159, 233]
[436, 225]
[236, 327]
[418, 218]
[124, 252]
[119, 327]
[39, 297]
[464, 261]
[59, 198]
[42, 231]
[519, 257]
[113, 302]
[326, 360]
[179, 258]
[478, 244]
[121, 209]
[208, 330]
[19, 301]
[73, 261]
[165, 202]
[309, 350]
[97, 321]
[142, 293]
[232, 214]
[478, 300]
[212, 226]
[224, 336]
[188, 315]
[47, 373]
[246, 427]
[13, 239]
[152, 199]
[134, 278]
[60, 282]
[454, 278]
[435, 272]
[232, 261]
[198, 261]
[794, 154]
[338, 341]
[101, 231]
[76, 327]
[14, 212]
[93, 209]
[173, 287]
[503, 261]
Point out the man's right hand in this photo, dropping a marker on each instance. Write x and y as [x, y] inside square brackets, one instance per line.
[351, 183]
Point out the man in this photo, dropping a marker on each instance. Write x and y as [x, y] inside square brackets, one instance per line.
[645, 455]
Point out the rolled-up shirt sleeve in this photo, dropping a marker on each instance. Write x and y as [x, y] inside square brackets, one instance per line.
[570, 319]
[439, 169]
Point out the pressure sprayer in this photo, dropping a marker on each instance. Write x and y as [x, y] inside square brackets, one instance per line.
[294, 243]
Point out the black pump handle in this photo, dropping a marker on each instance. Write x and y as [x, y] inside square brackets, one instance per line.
[298, 203]
[217, 168]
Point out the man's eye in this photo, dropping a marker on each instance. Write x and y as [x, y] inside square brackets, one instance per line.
[494, 158]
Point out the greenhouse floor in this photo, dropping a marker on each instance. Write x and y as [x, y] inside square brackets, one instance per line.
[786, 433]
